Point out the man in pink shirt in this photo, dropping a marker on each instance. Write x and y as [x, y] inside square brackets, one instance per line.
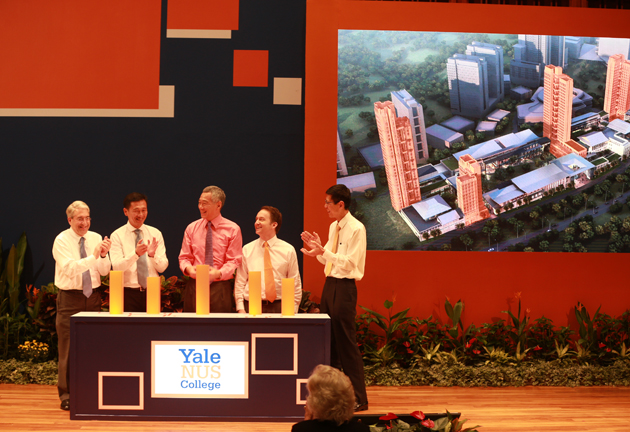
[215, 241]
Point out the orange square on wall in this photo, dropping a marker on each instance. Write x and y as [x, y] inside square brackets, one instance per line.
[251, 68]
[202, 15]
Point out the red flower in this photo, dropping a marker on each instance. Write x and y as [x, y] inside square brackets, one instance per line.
[470, 342]
[608, 349]
[537, 348]
[427, 423]
[410, 351]
[476, 352]
[389, 416]
[418, 414]
[406, 344]
[602, 345]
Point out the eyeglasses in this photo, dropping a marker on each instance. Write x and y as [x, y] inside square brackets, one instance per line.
[328, 202]
[83, 219]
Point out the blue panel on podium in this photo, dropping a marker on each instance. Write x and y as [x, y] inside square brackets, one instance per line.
[190, 367]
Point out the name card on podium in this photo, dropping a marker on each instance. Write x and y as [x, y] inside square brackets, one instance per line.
[255, 293]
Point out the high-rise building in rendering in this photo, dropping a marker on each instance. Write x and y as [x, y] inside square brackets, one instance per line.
[531, 54]
[468, 85]
[469, 192]
[493, 54]
[617, 98]
[399, 155]
[406, 106]
[557, 109]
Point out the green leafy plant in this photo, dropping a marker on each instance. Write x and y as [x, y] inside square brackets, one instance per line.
[395, 328]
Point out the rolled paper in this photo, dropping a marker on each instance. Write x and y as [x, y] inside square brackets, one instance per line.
[255, 293]
[288, 305]
[203, 289]
[116, 298]
[153, 295]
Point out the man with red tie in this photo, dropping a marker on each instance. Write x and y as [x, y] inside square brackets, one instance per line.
[274, 258]
[344, 260]
[217, 242]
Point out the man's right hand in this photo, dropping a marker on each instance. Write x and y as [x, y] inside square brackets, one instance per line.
[141, 248]
[191, 271]
[241, 311]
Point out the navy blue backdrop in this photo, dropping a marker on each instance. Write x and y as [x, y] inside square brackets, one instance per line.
[233, 137]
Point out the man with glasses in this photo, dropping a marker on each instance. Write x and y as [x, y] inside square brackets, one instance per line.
[344, 259]
[138, 250]
[77, 275]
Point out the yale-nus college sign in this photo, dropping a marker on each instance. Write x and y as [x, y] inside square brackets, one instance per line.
[199, 369]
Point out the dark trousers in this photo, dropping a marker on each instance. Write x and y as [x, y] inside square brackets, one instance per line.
[267, 307]
[221, 296]
[339, 301]
[70, 302]
[135, 300]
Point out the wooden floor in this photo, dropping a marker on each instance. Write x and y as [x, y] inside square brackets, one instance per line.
[592, 409]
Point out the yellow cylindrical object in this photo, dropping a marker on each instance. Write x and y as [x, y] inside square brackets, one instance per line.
[203, 289]
[255, 293]
[116, 292]
[154, 302]
[288, 305]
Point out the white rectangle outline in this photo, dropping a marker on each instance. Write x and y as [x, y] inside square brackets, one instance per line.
[200, 396]
[298, 391]
[293, 336]
[140, 405]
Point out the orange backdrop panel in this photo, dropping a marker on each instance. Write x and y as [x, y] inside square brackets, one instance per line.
[202, 15]
[551, 284]
[79, 54]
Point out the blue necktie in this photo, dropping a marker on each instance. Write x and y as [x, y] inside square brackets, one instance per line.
[209, 251]
[143, 264]
[87, 279]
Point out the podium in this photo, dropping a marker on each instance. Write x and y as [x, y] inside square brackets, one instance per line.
[184, 366]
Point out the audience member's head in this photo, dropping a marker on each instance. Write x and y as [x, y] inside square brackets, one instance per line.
[330, 395]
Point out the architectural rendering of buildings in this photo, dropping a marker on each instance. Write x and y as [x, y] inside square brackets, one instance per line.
[617, 97]
[469, 192]
[399, 155]
[468, 85]
[406, 106]
[342, 168]
[557, 110]
[533, 112]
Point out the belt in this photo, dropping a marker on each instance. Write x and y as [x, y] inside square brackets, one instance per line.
[265, 302]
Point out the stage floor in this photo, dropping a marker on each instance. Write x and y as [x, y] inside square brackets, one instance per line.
[592, 409]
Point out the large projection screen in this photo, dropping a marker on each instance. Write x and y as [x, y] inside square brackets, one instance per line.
[550, 284]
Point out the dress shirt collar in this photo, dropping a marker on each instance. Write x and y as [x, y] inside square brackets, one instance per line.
[216, 221]
[344, 220]
[75, 237]
[272, 241]
[132, 229]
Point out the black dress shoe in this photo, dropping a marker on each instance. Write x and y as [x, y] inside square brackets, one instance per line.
[361, 407]
[65, 404]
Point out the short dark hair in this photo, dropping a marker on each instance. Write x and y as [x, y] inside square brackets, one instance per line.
[275, 215]
[338, 193]
[134, 197]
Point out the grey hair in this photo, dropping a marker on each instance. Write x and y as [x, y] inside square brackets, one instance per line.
[217, 194]
[72, 208]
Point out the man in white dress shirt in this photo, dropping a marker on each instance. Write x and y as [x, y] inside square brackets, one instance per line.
[139, 251]
[77, 275]
[343, 257]
[282, 264]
